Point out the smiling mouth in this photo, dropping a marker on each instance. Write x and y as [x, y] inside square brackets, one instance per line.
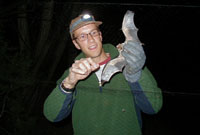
[93, 47]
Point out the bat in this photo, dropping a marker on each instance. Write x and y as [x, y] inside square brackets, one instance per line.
[116, 65]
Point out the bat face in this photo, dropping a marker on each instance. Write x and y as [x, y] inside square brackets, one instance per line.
[117, 64]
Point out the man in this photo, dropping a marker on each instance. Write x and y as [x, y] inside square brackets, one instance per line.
[112, 109]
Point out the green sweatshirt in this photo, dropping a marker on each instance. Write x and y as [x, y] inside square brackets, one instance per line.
[114, 111]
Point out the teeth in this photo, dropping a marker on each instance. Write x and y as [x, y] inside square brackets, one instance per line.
[92, 47]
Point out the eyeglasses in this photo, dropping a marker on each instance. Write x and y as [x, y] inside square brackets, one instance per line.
[84, 36]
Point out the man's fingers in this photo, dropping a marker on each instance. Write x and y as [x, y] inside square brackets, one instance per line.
[79, 65]
[94, 66]
[78, 68]
[78, 71]
[87, 65]
[84, 66]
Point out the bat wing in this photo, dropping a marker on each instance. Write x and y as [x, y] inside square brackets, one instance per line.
[112, 67]
[116, 65]
[128, 27]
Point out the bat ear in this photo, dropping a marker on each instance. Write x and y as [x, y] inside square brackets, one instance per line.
[76, 44]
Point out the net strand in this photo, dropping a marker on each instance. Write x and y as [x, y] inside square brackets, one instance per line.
[130, 4]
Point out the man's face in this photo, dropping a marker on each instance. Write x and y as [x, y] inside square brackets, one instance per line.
[92, 45]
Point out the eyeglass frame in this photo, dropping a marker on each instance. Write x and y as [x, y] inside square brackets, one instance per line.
[86, 34]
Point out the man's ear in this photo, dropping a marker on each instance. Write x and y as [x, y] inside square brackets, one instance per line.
[76, 44]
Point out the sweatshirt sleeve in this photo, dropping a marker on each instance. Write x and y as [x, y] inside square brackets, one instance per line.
[58, 104]
[148, 95]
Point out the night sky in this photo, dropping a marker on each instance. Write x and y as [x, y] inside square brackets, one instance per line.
[170, 33]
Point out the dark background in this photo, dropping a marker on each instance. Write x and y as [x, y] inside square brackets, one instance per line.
[35, 49]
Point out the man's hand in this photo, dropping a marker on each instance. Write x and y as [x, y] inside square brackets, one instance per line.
[80, 70]
[135, 59]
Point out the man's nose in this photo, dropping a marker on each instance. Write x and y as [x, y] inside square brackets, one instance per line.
[90, 37]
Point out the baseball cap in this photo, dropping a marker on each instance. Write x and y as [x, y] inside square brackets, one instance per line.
[81, 21]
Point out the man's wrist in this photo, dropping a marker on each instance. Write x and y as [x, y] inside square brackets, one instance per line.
[66, 89]
[67, 84]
